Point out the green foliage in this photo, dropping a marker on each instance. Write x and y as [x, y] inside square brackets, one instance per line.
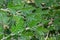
[25, 20]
